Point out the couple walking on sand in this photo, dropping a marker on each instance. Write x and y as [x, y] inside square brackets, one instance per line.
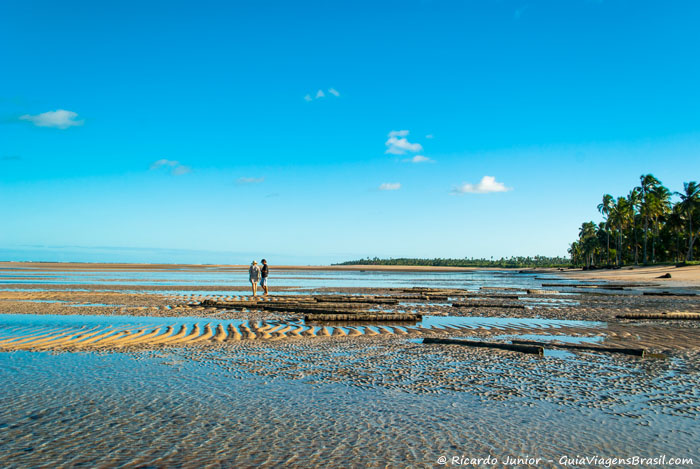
[257, 274]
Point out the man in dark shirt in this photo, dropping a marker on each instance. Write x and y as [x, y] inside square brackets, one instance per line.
[263, 278]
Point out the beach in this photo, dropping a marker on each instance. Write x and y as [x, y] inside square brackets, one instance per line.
[160, 350]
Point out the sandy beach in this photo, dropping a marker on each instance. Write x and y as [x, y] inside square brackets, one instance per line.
[688, 276]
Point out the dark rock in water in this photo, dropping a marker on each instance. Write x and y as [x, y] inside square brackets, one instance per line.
[666, 275]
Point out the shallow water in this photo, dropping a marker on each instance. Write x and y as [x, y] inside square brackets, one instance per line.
[165, 409]
[307, 279]
[566, 339]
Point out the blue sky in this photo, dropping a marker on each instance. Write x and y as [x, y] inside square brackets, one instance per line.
[315, 132]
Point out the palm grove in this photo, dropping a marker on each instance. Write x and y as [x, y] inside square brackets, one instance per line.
[645, 226]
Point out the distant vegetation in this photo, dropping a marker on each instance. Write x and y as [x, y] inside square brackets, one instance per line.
[644, 226]
[511, 262]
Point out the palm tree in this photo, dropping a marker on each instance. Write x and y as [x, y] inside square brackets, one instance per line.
[604, 208]
[648, 183]
[690, 201]
[660, 201]
[589, 242]
[675, 224]
[621, 214]
[634, 199]
[576, 253]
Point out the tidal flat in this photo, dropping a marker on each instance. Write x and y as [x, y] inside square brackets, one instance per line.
[276, 389]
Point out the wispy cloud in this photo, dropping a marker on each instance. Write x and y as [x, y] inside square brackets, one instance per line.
[398, 144]
[398, 133]
[320, 94]
[390, 186]
[418, 159]
[59, 119]
[487, 185]
[175, 167]
[429, 136]
[247, 180]
[160, 163]
[179, 170]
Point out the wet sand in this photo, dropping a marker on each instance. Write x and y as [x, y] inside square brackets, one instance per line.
[687, 276]
[566, 303]
[246, 339]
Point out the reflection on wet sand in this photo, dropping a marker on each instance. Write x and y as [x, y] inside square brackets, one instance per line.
[178, 375]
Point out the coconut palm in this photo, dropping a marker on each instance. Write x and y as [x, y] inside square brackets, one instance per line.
[634, 200]
[604, 208]
[576, 253]
[675, 223]
[621, 214]
[660, 207]
[589, 242]
[647, 184]
[690, 201]
[648, 209]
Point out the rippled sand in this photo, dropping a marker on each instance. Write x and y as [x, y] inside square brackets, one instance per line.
[117, 375]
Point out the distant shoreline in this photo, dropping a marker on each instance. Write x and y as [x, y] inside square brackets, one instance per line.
[161, 266]
[680, 276]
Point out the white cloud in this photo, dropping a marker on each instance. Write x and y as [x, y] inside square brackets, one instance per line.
[320, 94]
[399, 146]
[390, 186]
[60, 119]
[418, 159]
[176, 168]
[245, 180]
[486, 185]
[179, 170]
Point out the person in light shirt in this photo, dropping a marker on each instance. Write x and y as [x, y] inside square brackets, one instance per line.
[254, 277]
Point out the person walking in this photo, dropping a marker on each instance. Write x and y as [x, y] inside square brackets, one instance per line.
[263, 273]
[254, 277]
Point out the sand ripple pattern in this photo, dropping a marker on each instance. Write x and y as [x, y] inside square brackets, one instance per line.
[113, 337]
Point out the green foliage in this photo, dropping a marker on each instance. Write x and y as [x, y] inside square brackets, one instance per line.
[645, 225]
[511, 262]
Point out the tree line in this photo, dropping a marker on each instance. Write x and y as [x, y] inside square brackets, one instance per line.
[645, 226]
[510, 262]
